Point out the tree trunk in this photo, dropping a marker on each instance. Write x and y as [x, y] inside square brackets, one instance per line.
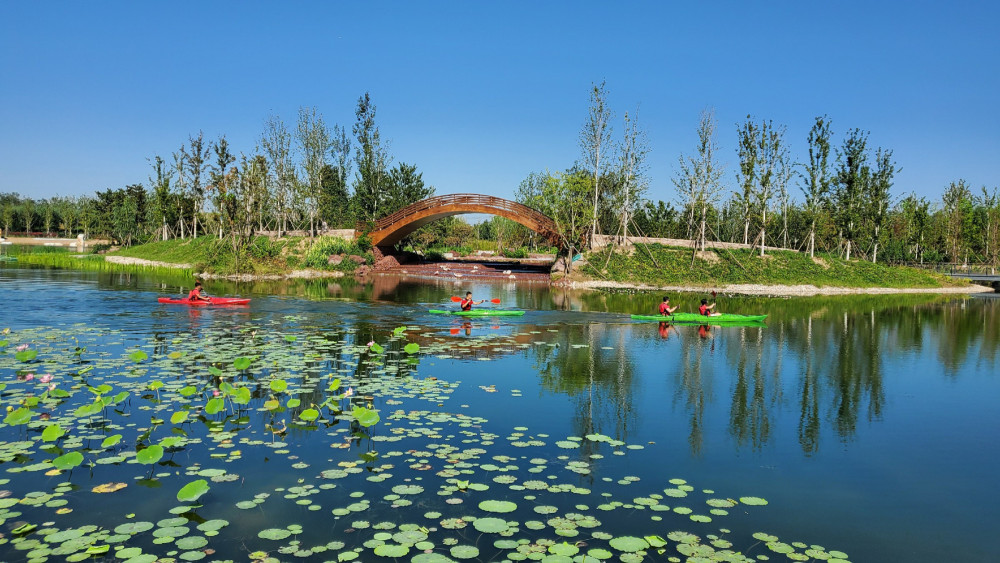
[812, 240]
[848, 250]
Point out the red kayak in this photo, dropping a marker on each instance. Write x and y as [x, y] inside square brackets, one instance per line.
[213, 301]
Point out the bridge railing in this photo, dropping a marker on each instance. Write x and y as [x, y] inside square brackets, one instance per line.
[492, 202]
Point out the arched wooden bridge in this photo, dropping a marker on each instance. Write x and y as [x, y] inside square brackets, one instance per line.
[393, 228]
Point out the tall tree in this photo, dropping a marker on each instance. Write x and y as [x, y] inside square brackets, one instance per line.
[594, 140]
[990, 201]
[405, 186]
[746, 176]
[853, 178]
[698, 178]
[277, 144]
[773, 175]
[958, 206]
[816, 179]
[315, 144]
[160, 184]
[631, 170]
[197, 163]
[372, 160]
[916, 217]
[335, 202]
[878, 196]
[180, 170]
[220, 175]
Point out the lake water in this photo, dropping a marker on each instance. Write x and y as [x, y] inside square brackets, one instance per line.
[868, 425]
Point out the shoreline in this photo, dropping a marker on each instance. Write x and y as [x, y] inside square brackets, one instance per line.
[737, 289]
[294, 274]
[783, 290]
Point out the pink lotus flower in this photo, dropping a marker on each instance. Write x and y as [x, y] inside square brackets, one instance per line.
[21, 348]
[215, 392]
[52, 386]
[29, 377]
[371, 343]
[45, 378]
[349, 392]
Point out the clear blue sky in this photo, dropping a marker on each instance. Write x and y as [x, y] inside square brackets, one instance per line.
[479, 94]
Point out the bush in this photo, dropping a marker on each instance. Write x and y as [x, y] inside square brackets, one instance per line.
[516, 253]
[319, 253]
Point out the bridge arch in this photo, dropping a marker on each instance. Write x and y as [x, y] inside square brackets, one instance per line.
[393, 228]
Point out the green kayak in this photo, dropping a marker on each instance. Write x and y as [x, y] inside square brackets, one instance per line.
[479, 313]
[724, 318]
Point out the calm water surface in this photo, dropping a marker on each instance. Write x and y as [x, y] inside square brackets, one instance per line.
[869, 424]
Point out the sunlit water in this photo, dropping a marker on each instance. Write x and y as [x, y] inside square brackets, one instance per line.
[868, 424]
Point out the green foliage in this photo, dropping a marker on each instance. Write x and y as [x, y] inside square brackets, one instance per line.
[673, 267]
[319, 254]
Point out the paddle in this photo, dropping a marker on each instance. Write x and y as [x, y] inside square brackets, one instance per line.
[458, 299]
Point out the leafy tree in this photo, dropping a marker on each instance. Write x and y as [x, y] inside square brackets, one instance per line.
[698, 178]
[817, 179]
[990, 203]
[27, 212]
[594, 140]
[916, 219]
[372, 160]
[657, 220]
[404, 186]
[160, 185]
[878, 195]
[565, 198]
[746, 177]
[853, 179]
[121, 214]
[773, 175]
[632, 169]
[335, 200]
[196, 160]
[219, 174]
[277, 144]
[180, 169]
[958, 214]
[315, 143]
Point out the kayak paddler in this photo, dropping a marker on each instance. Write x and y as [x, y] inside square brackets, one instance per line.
[706, 309]
[467, 303]
[665, 308]
[196, 294]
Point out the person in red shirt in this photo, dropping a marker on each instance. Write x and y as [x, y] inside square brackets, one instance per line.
[196, 294]
[467, 303]
[706, 309]
[665, 308]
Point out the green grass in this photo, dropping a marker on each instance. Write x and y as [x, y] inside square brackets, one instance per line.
[94, 263]
[659, 265]
[175, 251]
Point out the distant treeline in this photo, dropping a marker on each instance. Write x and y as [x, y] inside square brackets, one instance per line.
[838, 199]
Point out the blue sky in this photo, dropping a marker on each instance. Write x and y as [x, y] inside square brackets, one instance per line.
[479, 94]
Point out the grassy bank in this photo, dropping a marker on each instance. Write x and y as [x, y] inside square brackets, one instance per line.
[263, 256]
[659, 265]
[94, 263]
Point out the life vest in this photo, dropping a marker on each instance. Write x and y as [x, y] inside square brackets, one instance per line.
[466, 304]
[664, 309]
[703, 309]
